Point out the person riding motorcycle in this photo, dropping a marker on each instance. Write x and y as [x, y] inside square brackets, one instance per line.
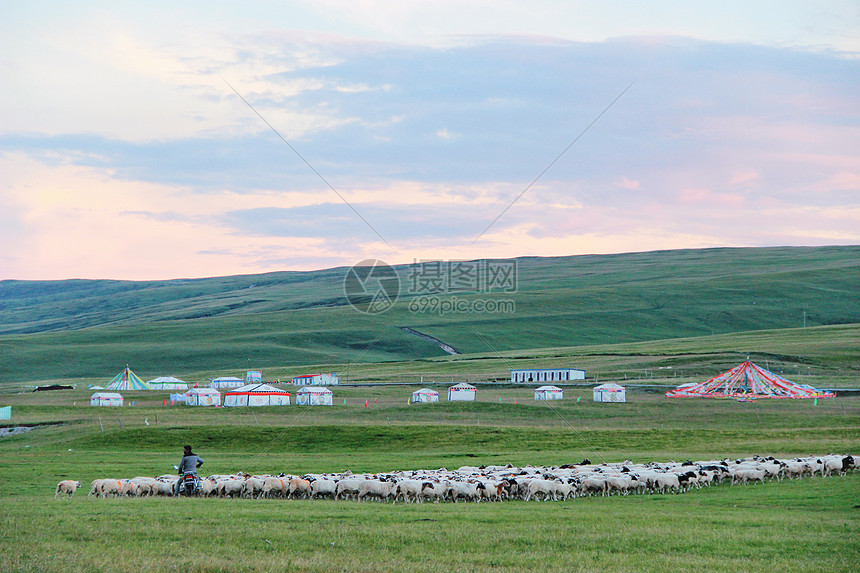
[189, 464]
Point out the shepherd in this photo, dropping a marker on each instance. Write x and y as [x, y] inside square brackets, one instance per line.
[188, 465]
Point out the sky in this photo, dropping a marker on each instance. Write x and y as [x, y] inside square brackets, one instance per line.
[162, 140]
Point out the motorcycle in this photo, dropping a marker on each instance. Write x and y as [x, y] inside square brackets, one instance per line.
[189, 484]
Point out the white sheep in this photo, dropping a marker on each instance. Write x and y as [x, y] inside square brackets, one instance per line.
[106, 487]
[253, 487]
[348, 488]
[299, 488]
[593, 484]
[543, 487]
[67, 487]
[146, 486]
[233, 488]
[745, 475]
[376, 489]
[465, 490]
[408, 490]
[434, 490]
[164, 487]
[323, 487]
[274, 487]
[665, 482]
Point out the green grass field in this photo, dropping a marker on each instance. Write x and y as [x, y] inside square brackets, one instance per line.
[806, 525]
[799, 525]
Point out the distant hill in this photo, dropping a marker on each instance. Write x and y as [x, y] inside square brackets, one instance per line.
[78, 328]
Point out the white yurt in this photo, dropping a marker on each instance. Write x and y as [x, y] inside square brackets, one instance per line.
[609, 393]
[463, 392]
[106, 399]
[424, 395]
[203, 397]
[316, 396]
[548, 393]
[226, 382]
[167, 383]
[256, 395]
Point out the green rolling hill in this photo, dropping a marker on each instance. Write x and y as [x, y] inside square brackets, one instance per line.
[87, 328]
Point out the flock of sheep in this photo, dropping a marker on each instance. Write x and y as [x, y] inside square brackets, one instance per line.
[486, 483]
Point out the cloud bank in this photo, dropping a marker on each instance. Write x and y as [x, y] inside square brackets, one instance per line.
[167, 173]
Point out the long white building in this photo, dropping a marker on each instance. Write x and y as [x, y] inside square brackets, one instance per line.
[316, 380]
[527, 375]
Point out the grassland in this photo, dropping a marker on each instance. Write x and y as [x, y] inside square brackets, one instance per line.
[808, 525]
[796, 526]
[75, 329]
[650, 320]
[824, 357]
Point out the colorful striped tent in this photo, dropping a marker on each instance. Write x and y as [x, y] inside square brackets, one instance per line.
[127, 380]
[747, 381]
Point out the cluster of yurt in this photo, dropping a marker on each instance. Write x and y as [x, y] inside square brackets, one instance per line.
[745, 381]
[314, 396]
[256, 395]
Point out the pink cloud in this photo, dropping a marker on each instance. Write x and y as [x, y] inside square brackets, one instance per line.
[743, 177]
[703, 197]
[625, 183]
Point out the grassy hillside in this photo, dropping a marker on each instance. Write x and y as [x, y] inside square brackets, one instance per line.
[282, 321]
